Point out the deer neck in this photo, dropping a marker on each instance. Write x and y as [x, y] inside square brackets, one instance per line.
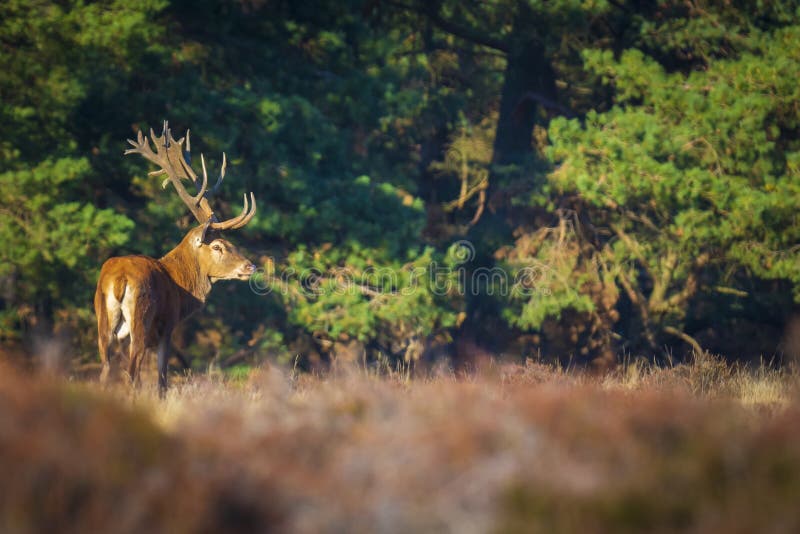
[182, 265]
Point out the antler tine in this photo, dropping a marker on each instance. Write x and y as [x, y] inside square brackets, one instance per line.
[135, 144]
[170, 139]
[142, 146]
[221, 176]
[154, 138]
[237, 222]
[249, 215]
[201, 192]
[186, 163]
[204, 190]
[187, 154]
[252, 211]
[230, 223]
[189, 171]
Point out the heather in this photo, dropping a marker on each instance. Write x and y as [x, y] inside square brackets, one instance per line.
[507, 448]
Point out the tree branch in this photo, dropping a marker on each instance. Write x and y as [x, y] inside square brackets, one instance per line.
[633, 246]
[468, 34]
[621, 6]
[698, 350]
[690, 287]
[546, 103]
[638, 300]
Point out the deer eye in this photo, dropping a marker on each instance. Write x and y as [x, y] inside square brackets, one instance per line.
[216, 247]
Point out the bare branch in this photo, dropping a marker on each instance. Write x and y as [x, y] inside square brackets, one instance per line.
[698, 350]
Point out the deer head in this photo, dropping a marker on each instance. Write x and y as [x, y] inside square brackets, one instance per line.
[217, 258]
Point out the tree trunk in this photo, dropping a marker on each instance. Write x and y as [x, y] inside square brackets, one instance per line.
[529, 80]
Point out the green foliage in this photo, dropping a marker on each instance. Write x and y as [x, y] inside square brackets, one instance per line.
[359, 293]
[372, 135]
[315, 107]
[63, 55]
[49, 241]
[545, 290]
[693, 175]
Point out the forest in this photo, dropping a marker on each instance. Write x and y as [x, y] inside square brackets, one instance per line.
[579, 181]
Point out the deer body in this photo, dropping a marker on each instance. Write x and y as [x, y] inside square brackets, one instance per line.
[140, 300]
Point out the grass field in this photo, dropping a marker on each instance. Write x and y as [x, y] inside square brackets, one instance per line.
[511, 448]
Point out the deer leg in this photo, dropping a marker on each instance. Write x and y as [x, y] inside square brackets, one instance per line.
[138, 350]
[106, 368]
[137, 319]
[123, 351]
[134, 363]
[105, 325]
[163, 360]
[103, 342]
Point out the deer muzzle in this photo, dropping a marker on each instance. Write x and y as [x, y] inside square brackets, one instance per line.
[246, 271]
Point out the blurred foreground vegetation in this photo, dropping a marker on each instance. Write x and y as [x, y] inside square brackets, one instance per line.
[704, 447]
[632, 167]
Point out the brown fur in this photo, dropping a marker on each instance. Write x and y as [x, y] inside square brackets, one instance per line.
[149, 297]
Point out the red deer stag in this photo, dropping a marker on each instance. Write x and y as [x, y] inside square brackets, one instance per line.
[142, 299]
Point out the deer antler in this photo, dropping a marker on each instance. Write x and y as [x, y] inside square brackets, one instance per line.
[175, 163]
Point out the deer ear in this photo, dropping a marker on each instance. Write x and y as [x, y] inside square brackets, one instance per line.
[198, 240]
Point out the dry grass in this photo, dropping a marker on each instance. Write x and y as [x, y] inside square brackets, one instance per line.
[705, 447]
